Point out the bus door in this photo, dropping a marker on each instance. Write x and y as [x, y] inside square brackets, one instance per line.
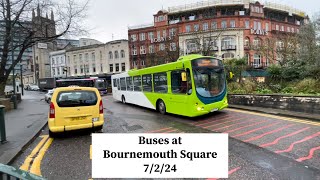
[179, 92]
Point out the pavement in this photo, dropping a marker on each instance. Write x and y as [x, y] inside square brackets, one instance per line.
[314, 117]
[23, 124]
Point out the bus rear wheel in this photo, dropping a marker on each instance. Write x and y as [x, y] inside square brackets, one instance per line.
[123, 99]
[161, 107]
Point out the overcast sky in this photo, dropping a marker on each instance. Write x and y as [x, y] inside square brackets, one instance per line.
[107, 17]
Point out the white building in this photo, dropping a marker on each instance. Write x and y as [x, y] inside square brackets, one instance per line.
[99, 59]
[58, 63]
[88, 42]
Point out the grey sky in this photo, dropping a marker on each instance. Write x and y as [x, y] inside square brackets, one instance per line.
[107, 17]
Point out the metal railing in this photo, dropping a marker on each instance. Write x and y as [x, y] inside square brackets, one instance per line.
[11, 173]
[285, 8]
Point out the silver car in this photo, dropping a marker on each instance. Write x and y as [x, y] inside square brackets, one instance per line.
[47, 97]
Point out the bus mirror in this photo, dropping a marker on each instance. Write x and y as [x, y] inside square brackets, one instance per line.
[184, 76]
[231, 75]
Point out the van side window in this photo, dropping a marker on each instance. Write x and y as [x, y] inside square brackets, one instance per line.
[123, 84]
[129, 84]
[114, 83]
[147, 83]
[137, 83]
[160, 83]
[177, 85]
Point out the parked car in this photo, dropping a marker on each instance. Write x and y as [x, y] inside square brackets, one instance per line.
[48, 96]
[74, 108]
[32, 87]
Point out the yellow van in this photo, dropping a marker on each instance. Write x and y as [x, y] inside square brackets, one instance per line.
[74, 108]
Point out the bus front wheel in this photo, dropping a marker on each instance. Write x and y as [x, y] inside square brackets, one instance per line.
[161, 107]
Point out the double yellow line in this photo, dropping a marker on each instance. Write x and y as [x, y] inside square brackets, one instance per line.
[277, 117]
[36, 156]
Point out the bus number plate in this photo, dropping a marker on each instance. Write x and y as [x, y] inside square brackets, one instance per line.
[215, 109]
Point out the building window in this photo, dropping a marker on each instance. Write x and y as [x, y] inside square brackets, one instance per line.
[267, 27]
[158, 34]
[188, 28]
[134, 51]
[142, 50]
[173, 46]
[75, 59]
[292, 30]
[86, 57]
[93, 67]
[224, 24]
[288, 29]
[75, 70]
[172, 32]
[150, 36]
[133, 37]
[123, 67]
[214, 25]
[53, 71]
[53, 61]
[232, 23]
[196, 27]
[248, 57]
[277, 27]
[162, 47]
[111, 67]
[282, 28]
[205, 27]
[110, 55]
[164, 33]
[143, 63]
[123, 54]
[247, 24]
[81, 69]
[151, 49]
[68, 59]
[93, 57]
[256, 60]
[255, 25]
[228, 43]
[116, 54]
[227, 56]
[142, 36]
[257, 42]
[246, 42]
[80, 58]
[117, 67]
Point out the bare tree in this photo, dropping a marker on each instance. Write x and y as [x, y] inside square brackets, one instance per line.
[17, 17]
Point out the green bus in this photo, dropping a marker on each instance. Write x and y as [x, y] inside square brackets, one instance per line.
[194, 85]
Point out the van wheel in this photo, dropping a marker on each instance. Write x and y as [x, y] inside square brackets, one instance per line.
[123, 99]
[161, 107]
[52, 135]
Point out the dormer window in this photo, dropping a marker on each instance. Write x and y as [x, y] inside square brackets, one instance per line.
[160, 18]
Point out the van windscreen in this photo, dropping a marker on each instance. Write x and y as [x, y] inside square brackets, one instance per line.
[76, 98]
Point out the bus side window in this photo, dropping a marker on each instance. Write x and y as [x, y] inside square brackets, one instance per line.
[123, 84]
[118, 84]
[137, 83]
[129, 84]
[147, 82]
[114, 83]
[189, 85]
[160, 83]
[178, 86]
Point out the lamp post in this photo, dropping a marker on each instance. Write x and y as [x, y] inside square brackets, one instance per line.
[21, 80]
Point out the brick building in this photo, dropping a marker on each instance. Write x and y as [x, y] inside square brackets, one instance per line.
[226, 29]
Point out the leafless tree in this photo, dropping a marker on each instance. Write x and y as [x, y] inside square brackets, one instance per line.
[18, 17]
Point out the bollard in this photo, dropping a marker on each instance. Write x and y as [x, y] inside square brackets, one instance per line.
[14, 99]
[2, 125]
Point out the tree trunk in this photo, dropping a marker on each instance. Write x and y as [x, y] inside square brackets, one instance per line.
[3, 82]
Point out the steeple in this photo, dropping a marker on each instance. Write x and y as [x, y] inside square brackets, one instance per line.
[33, 14]
[52, 16]
[38, 10]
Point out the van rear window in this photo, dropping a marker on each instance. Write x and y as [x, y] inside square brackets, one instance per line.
[76, 98]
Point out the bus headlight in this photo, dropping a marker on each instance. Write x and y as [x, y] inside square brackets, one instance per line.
[200, 108]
